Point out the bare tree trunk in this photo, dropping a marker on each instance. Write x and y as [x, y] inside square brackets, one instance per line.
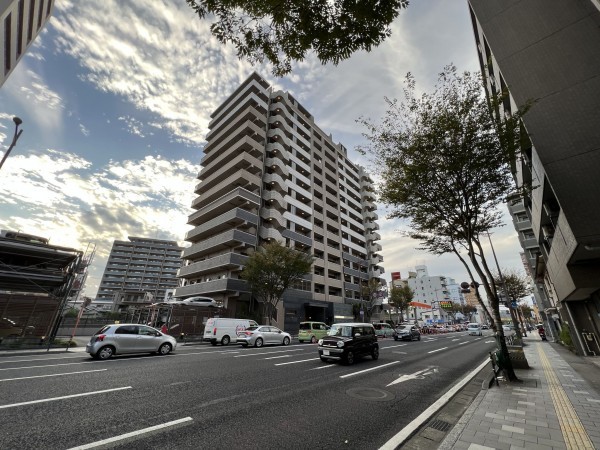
[493, 298]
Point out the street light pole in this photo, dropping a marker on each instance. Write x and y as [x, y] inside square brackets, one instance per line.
[16, 136]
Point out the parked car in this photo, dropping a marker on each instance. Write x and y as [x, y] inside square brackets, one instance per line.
[258, 336]
[474, 329]
[347, 341]
[224, 330]
[485, 327]
[407, 333]
[312, 331]
[122, 338]
[383, 329]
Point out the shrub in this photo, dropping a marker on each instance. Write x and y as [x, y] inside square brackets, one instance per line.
[565, 335]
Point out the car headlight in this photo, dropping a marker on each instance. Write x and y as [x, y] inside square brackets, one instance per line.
[320, 341]
[340, 344]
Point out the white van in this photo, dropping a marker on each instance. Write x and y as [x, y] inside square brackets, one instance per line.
[224, 330]
[474, 329]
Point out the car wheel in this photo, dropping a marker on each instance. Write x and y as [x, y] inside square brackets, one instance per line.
[375, 353]
[164, 349]
[105, 352]
[395, 338]
[286, 341]
[213, 343]
[225, 340]
[349, 358]
[418, 337]
[244, 345]
[258, 342]
[313, 340]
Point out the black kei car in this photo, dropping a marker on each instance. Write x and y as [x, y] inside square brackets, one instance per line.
[347, 341]
[407, 333]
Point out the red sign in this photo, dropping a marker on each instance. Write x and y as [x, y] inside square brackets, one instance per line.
[396, 276]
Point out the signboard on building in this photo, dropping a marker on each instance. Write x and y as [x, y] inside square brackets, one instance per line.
[396, 276]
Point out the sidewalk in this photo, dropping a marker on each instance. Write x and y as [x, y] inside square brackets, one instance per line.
[553, 408]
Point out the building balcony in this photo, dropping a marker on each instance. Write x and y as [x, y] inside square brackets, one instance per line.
[228, 261]
[213, 174]
[241, 178]
[222, 286]
[235, 198]
[236, 218]
[224, 241]
[274, 217]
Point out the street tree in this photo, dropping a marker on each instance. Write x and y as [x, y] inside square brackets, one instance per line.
[444, 164]
[452, 309]
[284, 31]
[271, 270]
[369, 293]
[516, 286]
[400, 298]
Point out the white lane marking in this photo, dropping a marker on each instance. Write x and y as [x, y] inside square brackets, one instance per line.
[415, 376]
[438, 350]
[392, 346]
[270, 353]
[456, 339]
[63, 397]
[368, 370]
[489, 342]
[407, 431]
[399, 353]
[53, 375]
[462, 343]
[207, 353]
[132, 434]
[296, 362]
[277, 357]
[322, 367]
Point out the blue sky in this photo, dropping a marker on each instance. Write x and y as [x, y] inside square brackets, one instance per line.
[116, 96]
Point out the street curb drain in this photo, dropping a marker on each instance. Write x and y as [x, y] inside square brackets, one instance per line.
[440, 425]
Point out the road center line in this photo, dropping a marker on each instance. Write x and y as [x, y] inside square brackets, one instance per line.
[322, 367]
[277, 357]
[438, 350]
[368, 370]
[63, 397]
[296, 362]
[53, 375]
[133, 434]
[392, 346]
[462, 343]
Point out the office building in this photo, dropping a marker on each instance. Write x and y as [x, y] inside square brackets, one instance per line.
[20, 22]
[270, 173]
[547, 52]
[139, 271]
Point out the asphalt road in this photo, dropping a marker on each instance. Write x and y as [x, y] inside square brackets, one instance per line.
[205, 397]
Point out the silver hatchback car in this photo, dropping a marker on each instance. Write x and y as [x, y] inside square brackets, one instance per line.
[122, 338]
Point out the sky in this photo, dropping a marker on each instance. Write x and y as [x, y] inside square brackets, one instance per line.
[116, 96]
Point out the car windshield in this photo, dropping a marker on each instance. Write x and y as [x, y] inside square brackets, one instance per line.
[338, 330]
[402, 327]
[305, 326]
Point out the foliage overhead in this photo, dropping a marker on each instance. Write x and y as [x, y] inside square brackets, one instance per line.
[273, 269]
[444, 162]
[285, 30]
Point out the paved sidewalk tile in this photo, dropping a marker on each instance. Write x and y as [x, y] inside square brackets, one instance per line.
[552, 409]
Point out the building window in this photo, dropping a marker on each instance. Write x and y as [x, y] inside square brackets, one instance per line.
[7, 44]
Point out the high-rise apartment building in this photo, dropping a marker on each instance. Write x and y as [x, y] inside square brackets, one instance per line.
[269, 172]
[139, 271]
[547, 52]
[20, 22]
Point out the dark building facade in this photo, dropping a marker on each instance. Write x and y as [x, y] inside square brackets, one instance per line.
[548, 52]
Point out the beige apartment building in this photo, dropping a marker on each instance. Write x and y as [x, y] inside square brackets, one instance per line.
[269, 172]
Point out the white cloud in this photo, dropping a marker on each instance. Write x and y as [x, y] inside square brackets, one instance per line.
[84, 130]
[61, 196]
